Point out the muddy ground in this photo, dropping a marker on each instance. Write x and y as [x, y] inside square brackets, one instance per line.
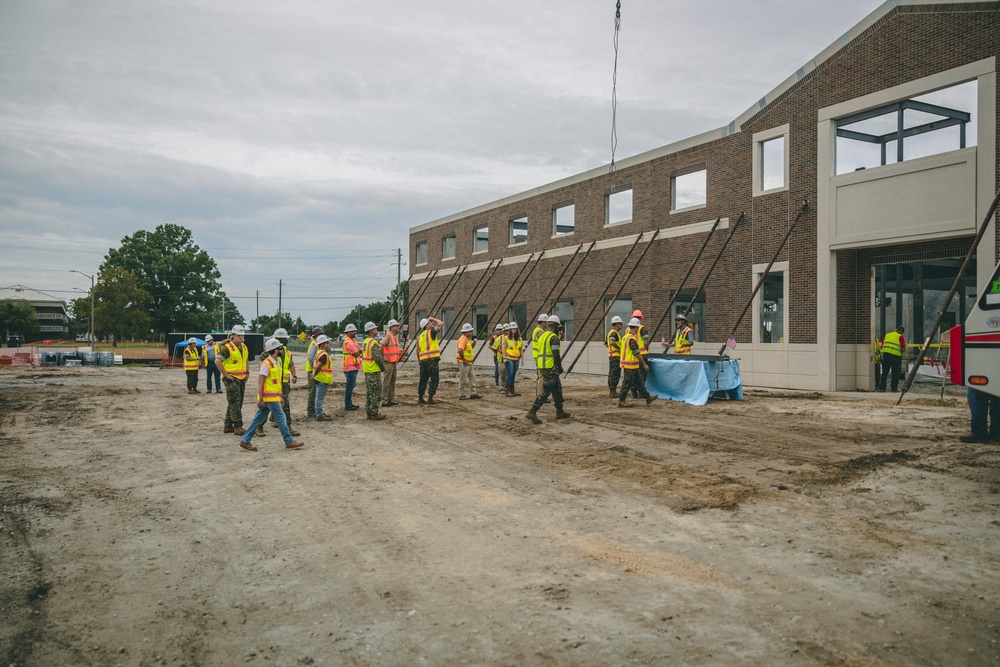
[787, 529]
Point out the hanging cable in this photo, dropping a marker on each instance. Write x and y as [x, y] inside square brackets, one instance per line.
[614, 89]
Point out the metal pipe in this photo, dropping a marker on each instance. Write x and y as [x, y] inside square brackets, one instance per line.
[559, 279]
[514, 294]
[448, 287]
[474, 293]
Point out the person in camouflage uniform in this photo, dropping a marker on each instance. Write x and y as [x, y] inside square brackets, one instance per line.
[372, 364]
[614, 345]
[551, 366]
[232, 363]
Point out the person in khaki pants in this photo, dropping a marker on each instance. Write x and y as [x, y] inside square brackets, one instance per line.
[390, 355]
[466, 353]
[540, 328]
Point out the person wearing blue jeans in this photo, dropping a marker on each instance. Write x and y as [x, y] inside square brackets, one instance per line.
[208, 361]
[513, 353]
[351, 364]
[269, 398]
[322, 374]
[984, 410]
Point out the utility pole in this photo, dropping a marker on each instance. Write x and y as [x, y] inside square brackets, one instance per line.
[223, 313]
[258, 305]
[399, 279]
[279, 304]
[93, 343]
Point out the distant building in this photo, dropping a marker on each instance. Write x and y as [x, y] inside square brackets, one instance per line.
[53, 320]
[890, 134]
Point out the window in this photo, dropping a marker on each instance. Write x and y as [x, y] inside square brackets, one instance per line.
[771, 305]
[689, 190]
[448, 247]
[422, 253]
[563, 220]
[480, 320]
[519, 230]
[519, 313]
[448, 317]
[618, 207]
[770, 161]
[937, 122]
[622, 308]
[481, 241]
[696, 318]
[564, 311]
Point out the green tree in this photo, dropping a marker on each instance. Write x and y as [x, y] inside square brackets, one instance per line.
[402, 303]
[181, 279]
[17, 319]
[370, 312]
[217, 319]
[121, 307]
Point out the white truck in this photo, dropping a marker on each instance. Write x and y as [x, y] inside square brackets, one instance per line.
[975, 345]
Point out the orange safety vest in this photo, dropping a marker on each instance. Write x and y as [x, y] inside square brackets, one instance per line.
[236, 363]
[614, 346]
[629, 360]
[427, 346]
[467, 353]
[390, 351]
[272, 383]
[352, 355]
[325, 372]
[681, 344]
[191, 359]
[368, 363]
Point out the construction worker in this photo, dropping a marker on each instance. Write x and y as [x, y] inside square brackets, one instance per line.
[232, 363]
[683, 335]
[322, 376]
[513, 353]
[391, 356]
[984, 421]
[614, 345]
[372, 363]
[351, 364]
[499, 345]
[310, 357]
[551, 365]
[192, 362]
[465, 353]
[269, 399]
[208, 354]
[640, 337]
[892, 347]
[631, 362]
[540, 328]
[429, 355]
[288, 378]
[497, 332]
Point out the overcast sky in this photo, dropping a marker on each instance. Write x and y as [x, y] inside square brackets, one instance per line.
[300, 140]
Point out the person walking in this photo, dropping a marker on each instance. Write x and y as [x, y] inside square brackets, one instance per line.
[429, 356]
[464, 355]
[631, 362]
[208, 355]
[269, 399]
[351, 361]
[192, 362]
[288, 378]
[232, 364]
[310, 382]
[683, 335]
[490, 342]
[372, 363]
[893, 345]
[551, 365]
[513, 353]
[322, 375]
[984, 422]
[391, 356]
[614, 345]
[640, 338]
[540, 328]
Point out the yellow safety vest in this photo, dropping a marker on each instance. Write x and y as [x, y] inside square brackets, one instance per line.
[191, 359]
[546, 359]
[325, 372]
[286, 365]
[641, 340]
[499, 345]
[629, 360]
[204, 352]
[614, 346]
[892, 344]
[236, 363]
[468, 353]
[368, 363]
[512, 350]
[681, 344]
[272, 383]
[312, 344]
[427, 346]
[535, 335]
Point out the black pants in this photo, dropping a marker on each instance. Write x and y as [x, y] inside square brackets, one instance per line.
[891, 363]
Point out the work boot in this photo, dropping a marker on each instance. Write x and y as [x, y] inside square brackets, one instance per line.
[421, 401]
[259, 432]
[293, 431]
[376, 417]
[239, 430]
[532, 416]
[227, 429]
[430, 400]
[614, 394]
[651, 399]
[562, 414]
[474, 397]
[248, 446]
[293, 444]
[623, 404]
[195, 391]
[324, 418]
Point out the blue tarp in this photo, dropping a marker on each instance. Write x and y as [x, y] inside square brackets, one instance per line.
[199, 342]
[694, 381]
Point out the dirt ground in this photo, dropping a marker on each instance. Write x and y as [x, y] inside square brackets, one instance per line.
[787, 529]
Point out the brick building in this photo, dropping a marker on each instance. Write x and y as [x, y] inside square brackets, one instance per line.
[890, 135]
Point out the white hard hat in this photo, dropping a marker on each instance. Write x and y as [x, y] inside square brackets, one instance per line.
[466, 328]
[554, 320]
[239, 330]
[369, 326]
[393, 323]
[424, 322]
[499, 327]
[505, 327]
[272, 344]
[349, 328]
[208, 338]
[280, 333]
[513, 325]
[192, 341]
[635, 322]
[616, 320]
[543, 318]
[322, 338]
[681, 316]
